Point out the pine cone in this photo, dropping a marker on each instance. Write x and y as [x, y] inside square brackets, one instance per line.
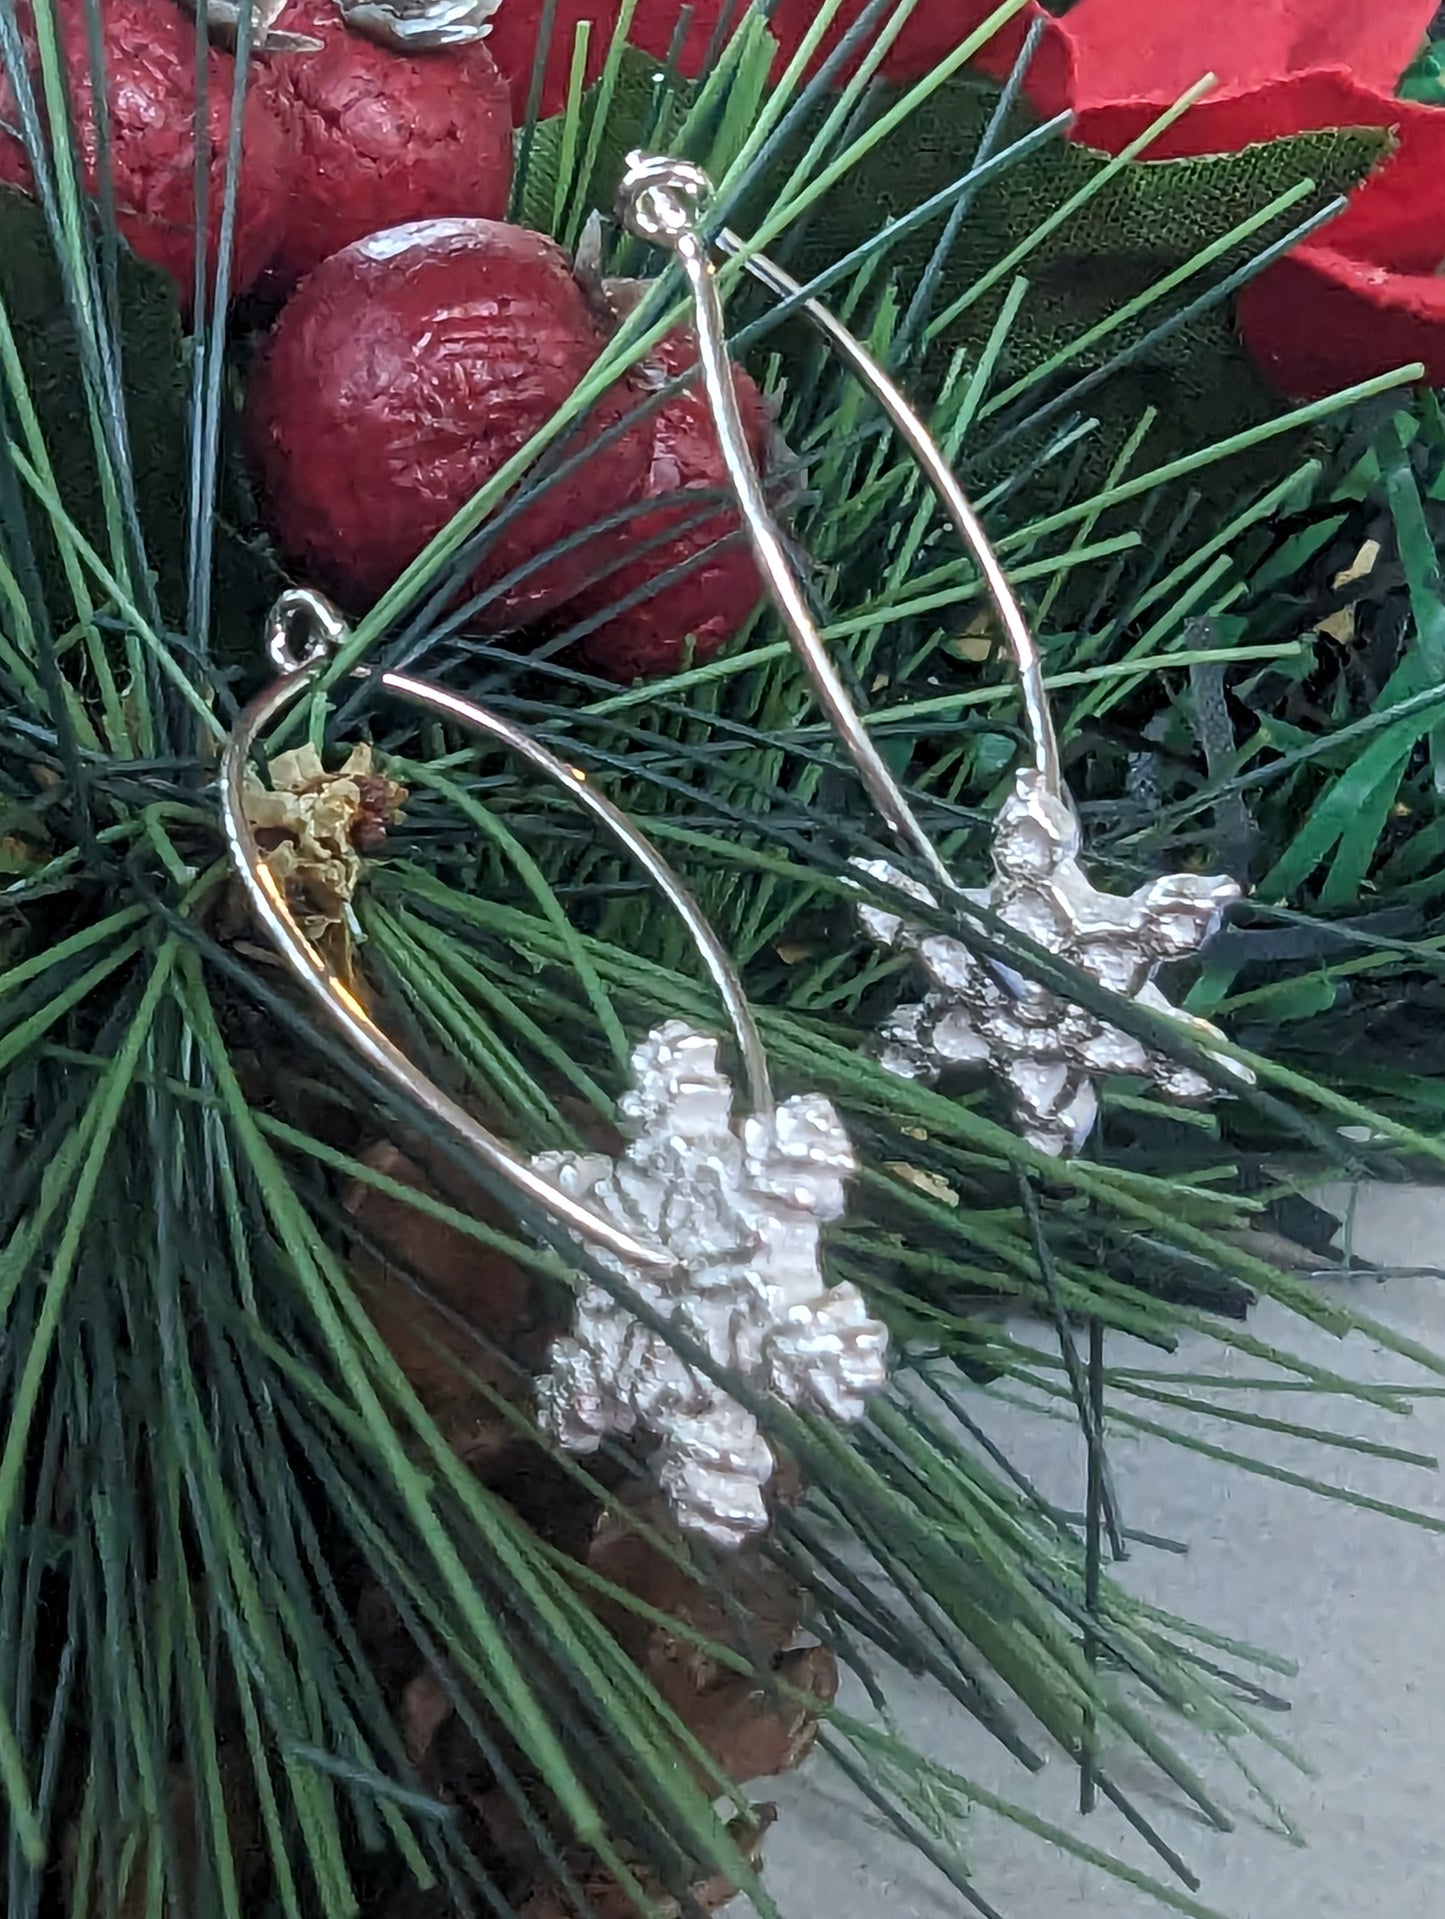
[749, 1729]
[243, 1822]
[607, 1899]
[482, 1289]
[753, 1726]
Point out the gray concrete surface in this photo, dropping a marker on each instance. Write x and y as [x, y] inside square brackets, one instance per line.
[1357, 1599]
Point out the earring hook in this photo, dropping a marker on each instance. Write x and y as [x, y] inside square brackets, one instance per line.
[302, 632]
[666, 201]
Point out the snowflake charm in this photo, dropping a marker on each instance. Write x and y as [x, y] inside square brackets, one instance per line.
[1048, 1051]
[742, 1212]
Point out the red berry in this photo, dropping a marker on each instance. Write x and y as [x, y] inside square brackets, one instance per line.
[516, 26]
[150, 62]
[384, 136]
[403, 375]
[935, 29]
[711, 601]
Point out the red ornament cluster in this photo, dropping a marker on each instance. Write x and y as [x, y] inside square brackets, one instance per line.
[412, 366]
[336, 142]
[382, 137]
[423, 342]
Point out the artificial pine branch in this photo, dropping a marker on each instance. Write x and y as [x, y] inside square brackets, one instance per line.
[301, 1612]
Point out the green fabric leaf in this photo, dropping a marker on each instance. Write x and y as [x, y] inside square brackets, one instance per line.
[631, 119]
[1145, 222]
[1424, 78]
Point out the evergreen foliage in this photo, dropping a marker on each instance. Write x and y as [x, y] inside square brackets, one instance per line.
[211, 1455]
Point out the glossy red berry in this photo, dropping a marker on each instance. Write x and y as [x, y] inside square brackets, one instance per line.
[405, 373]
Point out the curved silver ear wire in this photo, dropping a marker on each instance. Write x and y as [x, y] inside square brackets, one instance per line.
[320, 629]
[663, 201]
[715, 1227]
[1047, 1050]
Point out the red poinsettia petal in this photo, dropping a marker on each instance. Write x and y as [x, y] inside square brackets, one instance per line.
[1230, 118]
[1320, 321]
[516, 26]
[1397, 217]
[1132, 49]
[935, 29]
[1369, 294]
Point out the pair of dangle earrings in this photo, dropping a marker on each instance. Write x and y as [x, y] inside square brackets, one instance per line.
[704, 1232]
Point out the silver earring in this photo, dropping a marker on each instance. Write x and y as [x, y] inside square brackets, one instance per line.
[1047, 1051]
[711, 1221]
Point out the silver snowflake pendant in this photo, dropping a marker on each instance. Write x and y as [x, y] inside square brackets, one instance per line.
[1049, 1052]
[741, 1208]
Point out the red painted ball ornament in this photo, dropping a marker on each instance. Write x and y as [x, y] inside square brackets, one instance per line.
[402, 376]
[399, 115]
[149, 49]
[693, 532]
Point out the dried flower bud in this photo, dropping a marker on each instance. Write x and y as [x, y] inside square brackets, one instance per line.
[314, 826]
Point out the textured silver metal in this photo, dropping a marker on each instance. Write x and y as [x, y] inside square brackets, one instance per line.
[1047, 1051]
[420, 26]
[301, 631]
[742, 1208]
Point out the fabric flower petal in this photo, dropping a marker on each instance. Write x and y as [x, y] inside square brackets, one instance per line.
[516, 24]
[1321, 320]
[1396, 218]
[1367, 296]
[1227, 119]
[1134, 58]
[936, 29]
[1157, 49]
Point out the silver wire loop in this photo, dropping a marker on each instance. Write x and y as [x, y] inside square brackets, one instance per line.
[680, 190]
[315, 618]
[660, 198]
[306, 615]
